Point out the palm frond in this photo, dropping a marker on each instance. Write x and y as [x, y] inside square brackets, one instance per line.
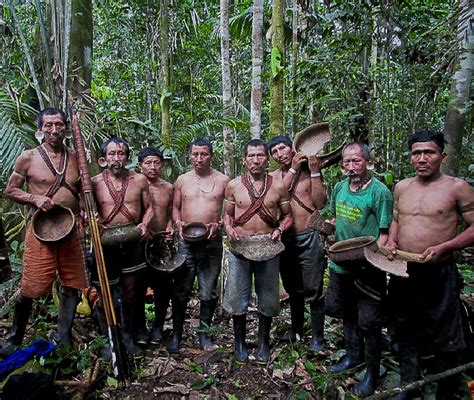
[12, 143]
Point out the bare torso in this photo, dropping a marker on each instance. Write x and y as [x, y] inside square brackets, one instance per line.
[199, 199]
[303, 192]
[428, 212]
[136, 197]
[31, 169]
[161, 193]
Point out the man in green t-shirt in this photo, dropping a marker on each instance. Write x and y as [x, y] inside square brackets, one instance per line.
[362, 206]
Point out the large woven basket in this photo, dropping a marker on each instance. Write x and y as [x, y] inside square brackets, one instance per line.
[257, 247]
[53, 225]
[351, 249]
[311, 140]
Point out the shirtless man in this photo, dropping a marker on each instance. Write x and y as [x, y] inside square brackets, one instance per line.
[302, 262]
[425, 307]
[198, 197]
[151, 162]
[123, 197]
[253, 201]
[51, 175]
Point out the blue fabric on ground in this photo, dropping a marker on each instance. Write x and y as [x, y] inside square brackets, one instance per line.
[19, 358]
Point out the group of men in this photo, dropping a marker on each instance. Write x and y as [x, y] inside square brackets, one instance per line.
[422, 310]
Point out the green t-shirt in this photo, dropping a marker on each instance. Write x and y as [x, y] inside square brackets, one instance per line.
[360, 213]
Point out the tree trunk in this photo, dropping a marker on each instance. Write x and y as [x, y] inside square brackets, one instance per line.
[294, 59]
[459, 105]
[226, 87]
[81, 49]
[165, 74]
[277, 121]
[257, 62]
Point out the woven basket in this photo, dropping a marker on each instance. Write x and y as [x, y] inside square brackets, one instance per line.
[257, 248]
[311, 140]
[53, 225]
[351, 249]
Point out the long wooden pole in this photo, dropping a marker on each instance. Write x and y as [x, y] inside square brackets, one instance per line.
[119, 357]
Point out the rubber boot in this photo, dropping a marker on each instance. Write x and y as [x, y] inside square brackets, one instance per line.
[409, 369]
[161, 307]
[263, 346]
[240, 348]
[127, 330]
[140, 329]
[21, 315]
[369, 382]
[317, 326]
[352, 340]
[68, 301]
[205, 314]
[179, 311]
[297, 319]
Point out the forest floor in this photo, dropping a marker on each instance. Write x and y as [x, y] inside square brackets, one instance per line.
[292, 373]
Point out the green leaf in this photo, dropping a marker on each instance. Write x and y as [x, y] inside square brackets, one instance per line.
[112, 382]
[276, 62]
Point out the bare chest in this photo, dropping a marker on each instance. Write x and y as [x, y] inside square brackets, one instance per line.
[427, 201]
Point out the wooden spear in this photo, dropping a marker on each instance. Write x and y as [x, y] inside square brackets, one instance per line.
[119, 356]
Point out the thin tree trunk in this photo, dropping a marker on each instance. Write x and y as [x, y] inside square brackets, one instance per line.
[257, 62]
[277, 118]
[165, 73]
[293, 61]
[459, 104]
[226, 87]
[66, 49]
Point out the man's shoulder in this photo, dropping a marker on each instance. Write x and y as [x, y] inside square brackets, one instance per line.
[380, 186]
[404, 183]
[97, 178]
[234, 182]
[222, 178]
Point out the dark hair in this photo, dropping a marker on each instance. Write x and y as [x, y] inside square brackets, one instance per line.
[201, 142]
[149, 151]
[116, 140]
[427, 135]
[255, 143]
[365, 149]
[279, 139]
[50, 111]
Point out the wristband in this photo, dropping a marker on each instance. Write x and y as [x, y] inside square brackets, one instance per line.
[279, 229]
[292, 170]
[315, 174]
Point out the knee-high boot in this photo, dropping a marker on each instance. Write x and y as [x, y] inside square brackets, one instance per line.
[68, 298]
[240, 348]
[369, 382]
[317, 326]
[352, 340]
[409, 369]
[263, 346]
[179, 311]
[161, 307]
[127, 330]
[206, 313]
[21, 315]
[297, 319]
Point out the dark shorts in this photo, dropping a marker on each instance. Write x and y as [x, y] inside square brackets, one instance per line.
[302, 265]
[121, 260]
[359, 299]
[425, 308]
[204, 260]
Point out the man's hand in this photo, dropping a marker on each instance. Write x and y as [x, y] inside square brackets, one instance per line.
[179, 226]
[212, 227]
[392, 246]
[276, 235]
[298, 160]
[42, 202]
[433, 253]
[145, 232]
[231, 233]
[169, 234]
[314, 164]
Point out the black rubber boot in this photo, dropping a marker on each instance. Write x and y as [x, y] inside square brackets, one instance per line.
[161, 307]
[205, 314]
[317, 326]
[179, 311]
[127, 331]
[68, 301]
[240, 348]
[369, 382]
[21, 315]
[297, 319]
[352, 340]
[409, 369]
[263, 346]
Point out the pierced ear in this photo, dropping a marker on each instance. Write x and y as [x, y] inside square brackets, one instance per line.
[68, 135]
[102, 162]
[39, 136]
[370, 166]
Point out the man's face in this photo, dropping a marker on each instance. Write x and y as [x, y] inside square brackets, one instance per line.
[200, 157]
[256, 159]
[151, 167]
[54, 129]
[282, 154]
[116, 157]
[354, 163]
[426, 158]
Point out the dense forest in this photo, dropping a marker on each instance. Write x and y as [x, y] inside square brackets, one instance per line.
[165, 72]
